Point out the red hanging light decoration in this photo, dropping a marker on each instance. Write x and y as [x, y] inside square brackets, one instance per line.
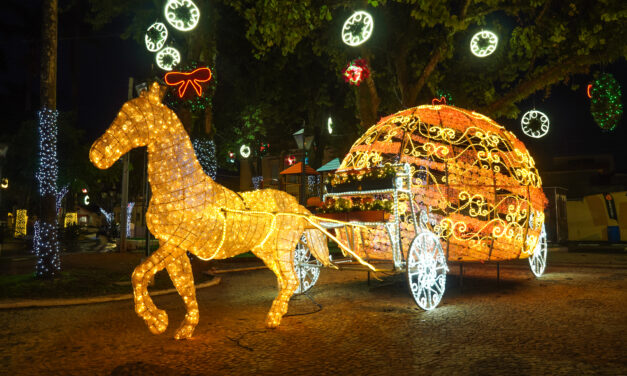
[183, 80]
[356, 71]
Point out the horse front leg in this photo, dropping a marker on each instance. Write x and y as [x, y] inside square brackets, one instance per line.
[156, 319]
[180, 271]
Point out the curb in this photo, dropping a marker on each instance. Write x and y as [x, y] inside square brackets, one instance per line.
[101, 299]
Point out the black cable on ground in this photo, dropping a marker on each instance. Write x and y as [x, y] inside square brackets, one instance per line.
[307, 313]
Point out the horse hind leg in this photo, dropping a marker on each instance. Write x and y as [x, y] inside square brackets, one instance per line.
[156, 319]
[180, 271]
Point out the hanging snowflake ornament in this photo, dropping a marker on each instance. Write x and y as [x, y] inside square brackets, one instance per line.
[605, 101]
[483, 43]
[155, 37]
[168, 58]
[182, 14]
[357, 28]
[535, 124]
[356, 71]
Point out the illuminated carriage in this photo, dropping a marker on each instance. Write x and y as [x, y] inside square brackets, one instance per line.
[473, 182]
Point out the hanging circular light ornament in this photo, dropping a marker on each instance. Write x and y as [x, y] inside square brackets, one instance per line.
[182, 14]
[330, 125]
[483, 43]
[535, 124]
[357, 28]
[156, 36]
[244, 151]
[356, 71]
[605, 101]
[168, 58]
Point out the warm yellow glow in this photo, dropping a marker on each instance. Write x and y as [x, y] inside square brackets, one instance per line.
[476, 179]
[70, 219]
[190, 212]
[20, 223]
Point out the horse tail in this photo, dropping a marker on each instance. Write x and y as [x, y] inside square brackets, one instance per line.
[317, 242]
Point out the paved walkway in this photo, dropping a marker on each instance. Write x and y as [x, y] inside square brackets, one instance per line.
[569, 322]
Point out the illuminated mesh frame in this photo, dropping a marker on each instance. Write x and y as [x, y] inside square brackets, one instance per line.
[476, 179]
[190, 212]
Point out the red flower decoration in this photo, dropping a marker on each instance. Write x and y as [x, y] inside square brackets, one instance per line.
[356, 71]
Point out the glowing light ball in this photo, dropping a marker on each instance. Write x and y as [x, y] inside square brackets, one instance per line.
[182, 14]
[535, 124]
[357, 28]
[155, 37]
[483, 43]
[476, 179]
[168, 58]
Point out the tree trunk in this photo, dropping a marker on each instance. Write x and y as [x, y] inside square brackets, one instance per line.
[367, 103]
[45, 239]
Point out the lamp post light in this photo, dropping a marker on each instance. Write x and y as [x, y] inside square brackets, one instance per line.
[304, 143]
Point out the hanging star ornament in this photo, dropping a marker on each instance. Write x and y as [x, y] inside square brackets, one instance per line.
[184, 80]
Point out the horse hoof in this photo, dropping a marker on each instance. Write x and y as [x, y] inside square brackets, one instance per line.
[184, 332]
[158, 323]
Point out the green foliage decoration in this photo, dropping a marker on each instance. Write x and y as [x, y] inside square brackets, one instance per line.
[605, 102]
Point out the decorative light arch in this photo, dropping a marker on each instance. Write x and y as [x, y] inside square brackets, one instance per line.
[155, 37]
[483, 43]
[357, 28]
[168, 58]
[539, 118]
[183, 15]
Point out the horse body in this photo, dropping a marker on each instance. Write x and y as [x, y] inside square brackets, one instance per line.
[190, 212]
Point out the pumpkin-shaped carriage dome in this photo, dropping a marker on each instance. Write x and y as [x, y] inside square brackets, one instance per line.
[476, 180]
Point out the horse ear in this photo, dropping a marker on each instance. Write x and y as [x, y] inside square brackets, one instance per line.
[156, 92]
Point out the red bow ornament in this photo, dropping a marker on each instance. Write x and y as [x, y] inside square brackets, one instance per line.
[184, 80]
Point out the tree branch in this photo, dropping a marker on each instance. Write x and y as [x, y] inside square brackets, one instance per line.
[554, 74]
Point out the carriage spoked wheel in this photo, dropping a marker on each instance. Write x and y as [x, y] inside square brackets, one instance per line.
[426, 268]
[537, 261]
[306, 266]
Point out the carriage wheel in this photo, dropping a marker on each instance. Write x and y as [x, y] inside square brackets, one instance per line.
[426, 270]
[306, 266]
[537, 261]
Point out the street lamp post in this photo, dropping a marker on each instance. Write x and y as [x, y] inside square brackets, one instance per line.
[304, 143]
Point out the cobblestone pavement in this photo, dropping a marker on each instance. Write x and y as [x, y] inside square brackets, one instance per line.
[572, 321]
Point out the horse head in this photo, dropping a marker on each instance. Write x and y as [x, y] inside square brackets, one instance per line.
[133, 127]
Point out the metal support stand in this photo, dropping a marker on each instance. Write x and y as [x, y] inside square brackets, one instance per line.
[461, 276]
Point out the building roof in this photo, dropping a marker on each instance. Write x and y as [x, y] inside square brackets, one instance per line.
[330, 166]
[298, 168]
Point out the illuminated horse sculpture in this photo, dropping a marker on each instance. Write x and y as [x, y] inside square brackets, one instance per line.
[190, 212]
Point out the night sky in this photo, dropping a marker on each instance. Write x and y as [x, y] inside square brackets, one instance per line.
[94, 67]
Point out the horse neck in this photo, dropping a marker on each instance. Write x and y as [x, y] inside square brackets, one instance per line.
[172, 162]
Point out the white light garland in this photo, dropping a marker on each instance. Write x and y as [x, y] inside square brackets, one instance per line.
[174, 10]
[535, 124]
[48, 162]
[168, 58]
[257, 180]
[45, 242]
[60, 195]
[483, 43]
[206, 154]
[129, 212]
[244, 151]
[357, 28]
[156, 28]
